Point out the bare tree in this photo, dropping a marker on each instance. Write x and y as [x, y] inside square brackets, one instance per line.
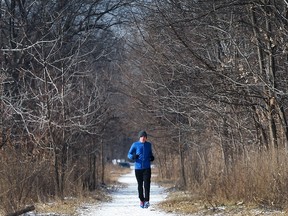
[58, 58]
[201, 73]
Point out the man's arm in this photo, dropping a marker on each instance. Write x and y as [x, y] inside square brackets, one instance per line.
[151, 154]
[131, 152]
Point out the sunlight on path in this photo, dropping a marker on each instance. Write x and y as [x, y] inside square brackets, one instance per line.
[125, 201]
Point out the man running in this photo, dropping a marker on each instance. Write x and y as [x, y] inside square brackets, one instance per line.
[141, 152]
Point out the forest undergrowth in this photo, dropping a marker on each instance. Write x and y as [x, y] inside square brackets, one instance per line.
[255, 185]
[70, 204]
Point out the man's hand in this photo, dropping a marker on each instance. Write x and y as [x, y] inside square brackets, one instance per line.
[136, 156]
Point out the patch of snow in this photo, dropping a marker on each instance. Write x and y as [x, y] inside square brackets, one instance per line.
[125, 201]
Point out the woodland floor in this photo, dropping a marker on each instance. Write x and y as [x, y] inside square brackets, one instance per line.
[123, 201]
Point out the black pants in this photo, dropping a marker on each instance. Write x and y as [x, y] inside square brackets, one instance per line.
[143, 175]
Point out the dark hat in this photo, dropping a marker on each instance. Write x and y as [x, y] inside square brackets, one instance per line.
[142, 134]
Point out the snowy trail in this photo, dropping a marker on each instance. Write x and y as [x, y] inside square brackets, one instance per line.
[125, 201]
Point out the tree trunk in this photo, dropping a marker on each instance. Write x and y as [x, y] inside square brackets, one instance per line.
[267, 68]
[94, 173]
[102, 163]
[261, 133]
[284, 126]
[3, 136]
[270, 73]
[226, 147]
[182, 165]
[22, 211]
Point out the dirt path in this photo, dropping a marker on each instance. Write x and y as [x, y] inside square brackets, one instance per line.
[125, 201]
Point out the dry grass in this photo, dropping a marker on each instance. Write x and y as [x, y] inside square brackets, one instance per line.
[113, 172]
[69, 206]
[255, 185]
[66, 207]
[182, 203]
[187, 203]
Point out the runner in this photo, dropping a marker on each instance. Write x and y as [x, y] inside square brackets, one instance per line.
[141, 152]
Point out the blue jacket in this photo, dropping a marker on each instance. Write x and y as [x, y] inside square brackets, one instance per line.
[144, 150]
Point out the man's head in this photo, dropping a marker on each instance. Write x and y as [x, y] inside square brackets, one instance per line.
[142, 136]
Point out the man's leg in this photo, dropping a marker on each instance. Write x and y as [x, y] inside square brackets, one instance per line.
[139, 177]
[147, 182]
